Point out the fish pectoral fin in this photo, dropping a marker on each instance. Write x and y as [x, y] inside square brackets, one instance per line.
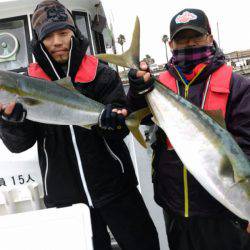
[88, 126]
[30, 101]
[226, 169]
[66, 83]
[133, 122]
[217, 116]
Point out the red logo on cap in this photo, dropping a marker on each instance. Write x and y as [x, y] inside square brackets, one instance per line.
[185, 17]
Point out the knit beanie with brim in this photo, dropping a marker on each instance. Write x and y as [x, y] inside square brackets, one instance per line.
[49, 16]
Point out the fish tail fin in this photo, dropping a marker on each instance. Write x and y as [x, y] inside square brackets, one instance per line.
[130, 58]
[133, 122]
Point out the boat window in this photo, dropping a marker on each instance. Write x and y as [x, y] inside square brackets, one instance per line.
[99, 43]
[82, 22]
[14, 39]
[99, 26]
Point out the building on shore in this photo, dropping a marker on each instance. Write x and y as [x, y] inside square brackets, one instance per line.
[240, 61]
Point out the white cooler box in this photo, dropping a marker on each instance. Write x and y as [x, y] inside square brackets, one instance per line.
[48, 229]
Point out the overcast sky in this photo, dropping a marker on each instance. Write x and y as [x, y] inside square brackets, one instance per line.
[233, 18]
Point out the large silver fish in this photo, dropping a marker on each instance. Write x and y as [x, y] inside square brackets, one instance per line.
[206, 149]
[57, 102]
[49, 102]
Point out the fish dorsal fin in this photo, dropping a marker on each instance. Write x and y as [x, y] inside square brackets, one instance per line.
[217, 115]
[66, 83]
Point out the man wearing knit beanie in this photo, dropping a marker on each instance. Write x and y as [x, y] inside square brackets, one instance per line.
[78, 165]
[49, 16]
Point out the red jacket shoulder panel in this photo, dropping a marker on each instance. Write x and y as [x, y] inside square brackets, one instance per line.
[169, 81]
[34, 70]
[219, 89]
[86, 72]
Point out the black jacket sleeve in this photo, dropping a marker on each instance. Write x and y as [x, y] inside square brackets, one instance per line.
[238, 112]
[18, 137]
[136, 102]
[108, 89]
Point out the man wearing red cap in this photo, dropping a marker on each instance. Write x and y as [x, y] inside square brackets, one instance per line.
[194, 219]
[80, 165]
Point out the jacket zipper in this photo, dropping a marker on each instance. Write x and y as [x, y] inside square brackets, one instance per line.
[80, 167]
[114, 156]
[185, 175]
[47, 167]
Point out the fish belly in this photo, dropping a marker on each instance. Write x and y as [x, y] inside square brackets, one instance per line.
[51, 113]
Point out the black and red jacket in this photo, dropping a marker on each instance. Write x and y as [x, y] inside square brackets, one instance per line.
[168, 178]
[77, 164]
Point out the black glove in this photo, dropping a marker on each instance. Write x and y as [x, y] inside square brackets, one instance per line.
[18, 114]
[137, 85]
[110, 120]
